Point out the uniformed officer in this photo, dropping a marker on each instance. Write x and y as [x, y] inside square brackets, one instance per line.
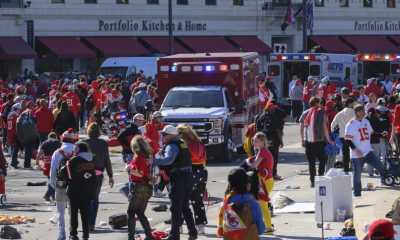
[178, 165]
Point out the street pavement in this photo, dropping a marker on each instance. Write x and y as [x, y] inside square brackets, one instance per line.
[28, 201]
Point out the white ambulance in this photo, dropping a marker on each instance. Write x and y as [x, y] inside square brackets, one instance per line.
[371, 65]
[282, 68]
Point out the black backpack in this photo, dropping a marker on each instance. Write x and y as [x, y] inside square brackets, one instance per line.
[62, 183]
[89, 105]
[41, 89]
[7, 111]
[262, 124]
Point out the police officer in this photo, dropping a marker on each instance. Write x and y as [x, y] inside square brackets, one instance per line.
[178, 165]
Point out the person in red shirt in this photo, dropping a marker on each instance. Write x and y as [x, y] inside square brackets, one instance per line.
[332, 89]
[264, 95]
[153, 128]
[396, 126]
[52, 94]
[11, 133]
[397, 82]
[3, 91]
[45, 119]
[348, 84]
[74, 104]
[94, 91]
[330, 111]
[30, 90]
[6, 108]
[373, 88]
[307, 93]
[391, 106]
[106, 95]
[323, 90]
[138, 170]
[137, 83]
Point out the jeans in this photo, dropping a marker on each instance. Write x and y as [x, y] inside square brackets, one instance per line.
[94, 204]
[50, 191]
[261, 110]
[358, 164]
[83, 206]
[4, 132]
[43, 136]
[316, 151]
[14, 156]
[306, 106]
[181, 186]
[375, 148]
[346, 155]
[61, 202]
[28, 152]
[127, 158]
[383, 148]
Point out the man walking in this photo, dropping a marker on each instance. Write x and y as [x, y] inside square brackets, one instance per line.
[296, 95]
[140, 99]
[388, 84]
[358, 133]
[178, 164]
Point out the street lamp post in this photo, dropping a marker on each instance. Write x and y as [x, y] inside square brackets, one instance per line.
[171, 38]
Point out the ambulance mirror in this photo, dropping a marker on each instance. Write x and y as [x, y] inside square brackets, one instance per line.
[241, 105]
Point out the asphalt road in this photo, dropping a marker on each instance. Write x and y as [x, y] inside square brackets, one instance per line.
[28, 201]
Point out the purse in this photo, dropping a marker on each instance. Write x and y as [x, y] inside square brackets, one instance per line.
[118, 220]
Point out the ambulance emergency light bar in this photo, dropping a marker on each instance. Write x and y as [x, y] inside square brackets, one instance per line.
[186, 67]
[298, 57]
[378, 57]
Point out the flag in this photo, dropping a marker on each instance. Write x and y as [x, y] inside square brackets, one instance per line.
[309, 16]
[290, 16]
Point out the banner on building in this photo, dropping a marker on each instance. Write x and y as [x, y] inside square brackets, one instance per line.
[290, 16]
[30, 36]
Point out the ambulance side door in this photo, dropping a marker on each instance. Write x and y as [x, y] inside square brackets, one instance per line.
[394, 70]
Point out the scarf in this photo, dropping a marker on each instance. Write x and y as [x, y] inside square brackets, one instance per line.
[310, 122]
[229, 223]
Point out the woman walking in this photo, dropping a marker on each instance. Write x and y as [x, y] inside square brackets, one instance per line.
[199, 157]
[64, 120]
[141, 191]
[264, 161]
[371, 102]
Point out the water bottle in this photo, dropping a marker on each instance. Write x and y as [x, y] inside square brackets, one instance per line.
[287, 186]
[394, 148]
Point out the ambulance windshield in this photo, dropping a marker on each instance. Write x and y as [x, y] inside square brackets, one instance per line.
[201, 99]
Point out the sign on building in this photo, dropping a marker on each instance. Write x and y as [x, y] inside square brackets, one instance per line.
[280, 48]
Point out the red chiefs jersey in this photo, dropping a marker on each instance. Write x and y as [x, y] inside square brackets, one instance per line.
[323, 91]
[135, 85]
[95, 96]
[306, 92]
[74, 104]
[264, 94]
[105, 96]
[52, 94]
[11, 126]
[350, 86]
[4, 92]
[332, 89]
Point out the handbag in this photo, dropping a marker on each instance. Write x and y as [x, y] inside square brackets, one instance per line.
[118, 220]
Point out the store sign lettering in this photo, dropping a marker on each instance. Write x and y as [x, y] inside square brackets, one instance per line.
[377, 26]
[149, 25]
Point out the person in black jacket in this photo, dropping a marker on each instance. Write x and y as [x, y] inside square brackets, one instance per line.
[375, 137]
[64, 120]
[126, 94]
[384, 119]
[80, 115]
[124, 138]
[82, 184]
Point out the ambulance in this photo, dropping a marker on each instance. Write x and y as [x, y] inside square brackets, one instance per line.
[282, 67]
[371, 65]
[216, 93]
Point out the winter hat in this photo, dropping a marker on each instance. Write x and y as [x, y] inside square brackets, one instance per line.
[357, 108]
[68, 136]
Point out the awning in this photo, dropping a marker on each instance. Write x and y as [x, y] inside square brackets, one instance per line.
[208, 44]
[118, 46]
[252, 44]
[67, 47]
[372, 44]
[161, 44]
[396, 38]
[332, 44]
[15, 48]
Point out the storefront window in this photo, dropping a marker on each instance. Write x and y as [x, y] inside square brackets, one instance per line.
[273, 70]
[211, 2]
[343, 3]
[391, 3]
[182, 2]
[152, 1]
[238, 2]
[367, 3]
[123, 1]
[90, 1]
[319, 3]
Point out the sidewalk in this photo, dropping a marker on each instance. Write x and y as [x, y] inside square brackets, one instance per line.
[303, 225]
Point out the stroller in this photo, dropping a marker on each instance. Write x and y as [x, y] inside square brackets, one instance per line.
[392, 170]
[332, 150]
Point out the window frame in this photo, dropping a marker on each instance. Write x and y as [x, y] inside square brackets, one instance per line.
[368, 6]
[158, 2]
[322, 4]
[312, 71]
[95, 2]
[60, 1]
[347, 4]
[120, 2]
[275, 66]
[177, 2]
[242, 3]
[210, 4]
[391, 68]
[394, 4]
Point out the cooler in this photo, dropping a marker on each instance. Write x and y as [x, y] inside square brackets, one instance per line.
[335, 193]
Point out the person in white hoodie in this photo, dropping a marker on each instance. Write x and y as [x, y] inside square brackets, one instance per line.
[341, 119]
[67, 147]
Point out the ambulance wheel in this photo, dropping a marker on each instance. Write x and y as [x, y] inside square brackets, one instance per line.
[397, 180]
[3, 199]
[389, 180]
[227, 150]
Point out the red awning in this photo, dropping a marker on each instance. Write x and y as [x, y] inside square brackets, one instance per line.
[396, 38]
[252, 44]
[161, 44]
[208, 44]
[332, 44]
[372, 44]
[67, 47]
[118, 46]
[15, 48]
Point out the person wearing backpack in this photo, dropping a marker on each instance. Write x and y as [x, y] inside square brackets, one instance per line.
[5, 111]
[61, 156]
[239, 207]
[27, 132]
[80, 174]
[140, 189]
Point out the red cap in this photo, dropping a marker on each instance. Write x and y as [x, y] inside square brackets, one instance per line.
[54, 86]
[1, 83]
[111, 80]
[95, 84]
[30, 104]
[268, 78]
[356, 92]
[329, 103]
[20, 88]
[271, 106]
[382, 226]
[65, 87]
[298, 81]
[57, 82]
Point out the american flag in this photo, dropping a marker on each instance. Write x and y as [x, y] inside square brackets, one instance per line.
[309, 16]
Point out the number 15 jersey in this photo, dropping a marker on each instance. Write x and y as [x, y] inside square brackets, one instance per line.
[360, 134]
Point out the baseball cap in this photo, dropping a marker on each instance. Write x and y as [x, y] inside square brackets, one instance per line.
[20, 88]
[268, 78]
[358, 107]
[64, 87]
[71, 88]
[28, 81]
[369, 80]
[271, 106]
[381, 229]
[142, 85]
[398, 86]
[30, 104]
[75, 81]
[329, 103]
[169, 130]
[57, 82]
[381, 100]
[138, 117]
[17, 106]
[310, 77]
[157, 114]
[238, 175]
[298, 81]
[356, 92]
[324, 80]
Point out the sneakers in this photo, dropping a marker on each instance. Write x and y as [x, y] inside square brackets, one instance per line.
[277, 177]
[47, 198]
[62, 236]
[311, 185]
[91, 227]
[168, 230]
[200, 229]
[124, 191]
[9, 152]
[269, 231]
[346, 173]
[158, 193]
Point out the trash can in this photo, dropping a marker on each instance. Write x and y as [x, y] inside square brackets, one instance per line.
[335, 193]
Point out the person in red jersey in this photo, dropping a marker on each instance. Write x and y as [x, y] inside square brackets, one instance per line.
[74, 104]
[45, 119]
[323, 90]
[52, 94]
[348, 84]
[11, 133]
[106, 95]
[3, 91]
[137, 83]
[307, 93]
[94, 91]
